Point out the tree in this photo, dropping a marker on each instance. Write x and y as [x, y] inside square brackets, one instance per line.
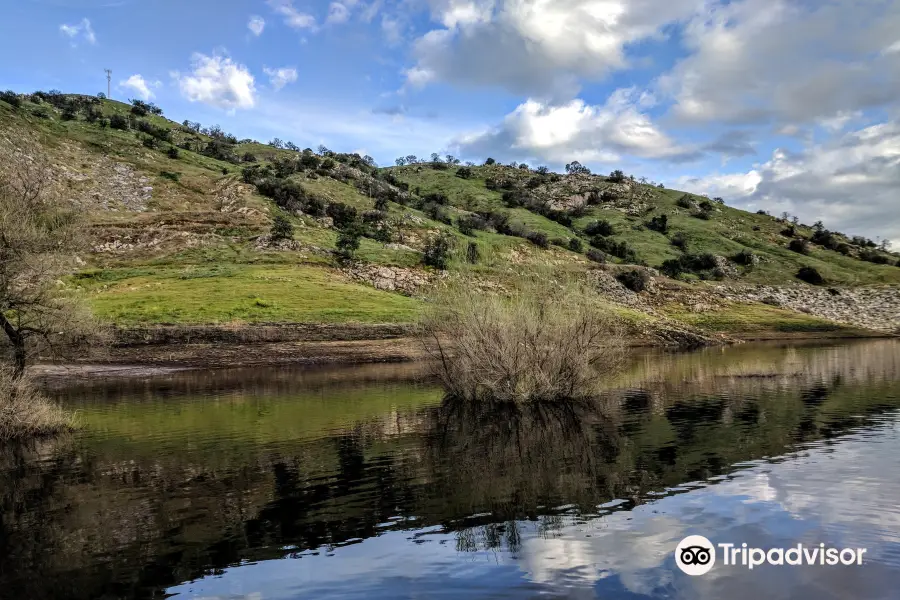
[489, 161]
[277, 143]
[576, 168]
[324, 151]
[435, 157]
[348, 240]
[400, 162]
[369, 160]
[282, 229]
[437, 251]
[617, 176]
[39, 237]
[102, 96]
[411, 159]
[819, 226]
[292, 146]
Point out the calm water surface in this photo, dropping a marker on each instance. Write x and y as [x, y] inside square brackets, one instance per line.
[360, 483]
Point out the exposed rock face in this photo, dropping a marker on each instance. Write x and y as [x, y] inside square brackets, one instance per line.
[875, 308]
[391, 279]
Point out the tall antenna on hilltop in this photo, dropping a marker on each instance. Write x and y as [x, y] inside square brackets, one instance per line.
[108, 83]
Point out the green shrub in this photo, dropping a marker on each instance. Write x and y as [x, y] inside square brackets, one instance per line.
[282, 229]
[601, 227]
[437, 251]
[119, 122]
[473, 255]
[746, 258]
[170, 176]
[617, 176]
[538, 238]
[799, 245]
[341, 214]
[635, 280]
[659, 223]
[873, 257]
[173, 153]
[596, 255]
[468, 224]
[618, 249]
[689, 263]
[11, 98]
[464, 173]
[810, 275]
[686, 202]
[680, 240]
[575, 245]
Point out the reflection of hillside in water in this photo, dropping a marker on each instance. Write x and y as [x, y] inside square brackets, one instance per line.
[183, 476]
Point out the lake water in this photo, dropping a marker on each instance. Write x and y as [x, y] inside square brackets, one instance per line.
[270, 484]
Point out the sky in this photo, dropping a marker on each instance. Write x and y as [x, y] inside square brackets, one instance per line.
[779, 105]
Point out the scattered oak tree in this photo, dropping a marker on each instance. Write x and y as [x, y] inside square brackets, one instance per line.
[38, 240]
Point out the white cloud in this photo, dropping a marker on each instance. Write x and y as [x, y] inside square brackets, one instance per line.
[256, 25]
[370, 11]
[850, 183]
[577, 131]
[392, 29]
[293, 17]
[218, 81]
[786, 61]
[538, 47]
[281, 77]
[81, 30]
[337, 14]
[140, 86]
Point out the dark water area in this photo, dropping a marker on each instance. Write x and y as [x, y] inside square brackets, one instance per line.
[270, 484]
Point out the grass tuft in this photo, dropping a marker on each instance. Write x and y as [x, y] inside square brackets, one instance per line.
[25, 412]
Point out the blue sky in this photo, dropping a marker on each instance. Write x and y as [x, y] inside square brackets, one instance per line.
[772, 104]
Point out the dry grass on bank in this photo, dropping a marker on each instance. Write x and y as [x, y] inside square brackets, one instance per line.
[25, 412]
[545, 341]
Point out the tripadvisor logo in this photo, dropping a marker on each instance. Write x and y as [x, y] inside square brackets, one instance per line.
[696, 555]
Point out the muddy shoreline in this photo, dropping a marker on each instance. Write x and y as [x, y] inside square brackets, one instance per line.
[167, 349]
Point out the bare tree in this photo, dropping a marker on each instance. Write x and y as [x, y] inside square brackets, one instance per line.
[38, 239]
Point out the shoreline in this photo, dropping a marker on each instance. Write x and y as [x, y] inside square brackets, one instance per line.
[167, 349]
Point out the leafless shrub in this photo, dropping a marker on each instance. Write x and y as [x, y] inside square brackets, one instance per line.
[545, 341]
[25, 412]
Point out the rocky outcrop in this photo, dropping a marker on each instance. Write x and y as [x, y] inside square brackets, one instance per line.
[876, 308]
[390, 279]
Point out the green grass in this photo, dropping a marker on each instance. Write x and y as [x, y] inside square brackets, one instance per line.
[244, 293]
[231, 280]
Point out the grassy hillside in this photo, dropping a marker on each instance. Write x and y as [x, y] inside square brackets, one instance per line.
[180, 219]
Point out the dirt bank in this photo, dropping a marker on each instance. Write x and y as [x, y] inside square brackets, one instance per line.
[160, 349]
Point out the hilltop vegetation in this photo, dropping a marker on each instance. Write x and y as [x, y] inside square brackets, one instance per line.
[189, 224]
